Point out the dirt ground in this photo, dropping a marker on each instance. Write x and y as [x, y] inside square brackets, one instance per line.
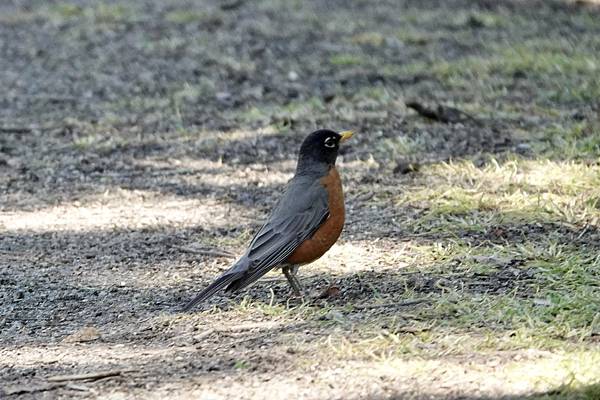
[142, 142]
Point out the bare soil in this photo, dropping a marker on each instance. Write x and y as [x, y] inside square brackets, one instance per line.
[138, 138]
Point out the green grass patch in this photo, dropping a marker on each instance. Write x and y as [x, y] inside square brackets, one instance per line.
[348, 59]
[573, 140]
[99, 13]
[186, 16]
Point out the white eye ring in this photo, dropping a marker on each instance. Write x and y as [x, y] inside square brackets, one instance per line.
[330, 142]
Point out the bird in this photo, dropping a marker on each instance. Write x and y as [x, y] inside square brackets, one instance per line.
[305, 222]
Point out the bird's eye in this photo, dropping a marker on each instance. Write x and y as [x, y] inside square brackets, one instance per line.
[330, 142]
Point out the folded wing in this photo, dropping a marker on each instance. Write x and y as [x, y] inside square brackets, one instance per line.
[298, 214]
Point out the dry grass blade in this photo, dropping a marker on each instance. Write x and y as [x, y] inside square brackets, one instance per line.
[89, 376]
[468, 265]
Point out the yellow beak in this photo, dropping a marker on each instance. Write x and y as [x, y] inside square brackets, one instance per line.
[346, 135]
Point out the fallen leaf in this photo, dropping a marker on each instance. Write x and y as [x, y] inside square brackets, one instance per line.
[330, 292]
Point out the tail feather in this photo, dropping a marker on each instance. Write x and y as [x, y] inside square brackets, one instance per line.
[243, 281]
[213, 288]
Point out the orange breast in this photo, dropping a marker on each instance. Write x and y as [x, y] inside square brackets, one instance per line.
[329, 232]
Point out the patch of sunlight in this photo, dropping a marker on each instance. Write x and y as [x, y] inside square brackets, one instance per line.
[518, 189]
[239, 134]
[495, 374]
[351, 257]
[30, 356]
[489, 374]
[125, 212]
[202, 172]
[541, 174]
[534, 56]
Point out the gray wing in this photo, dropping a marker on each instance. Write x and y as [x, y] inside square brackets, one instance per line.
[301, 210]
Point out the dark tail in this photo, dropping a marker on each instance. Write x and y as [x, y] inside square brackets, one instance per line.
[213, 288]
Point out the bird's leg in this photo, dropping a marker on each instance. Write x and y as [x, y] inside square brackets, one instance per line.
[290, 274]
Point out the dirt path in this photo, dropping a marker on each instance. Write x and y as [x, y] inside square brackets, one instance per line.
[138, 138]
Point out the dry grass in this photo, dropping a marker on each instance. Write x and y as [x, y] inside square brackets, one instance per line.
[474, 277]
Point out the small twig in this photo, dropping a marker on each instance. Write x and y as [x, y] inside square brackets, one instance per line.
[425, 111]
[206, 252]
[15, 129]
[404, 303]
[231, 5]
[364, 197]
[441, 113]
[91, 376]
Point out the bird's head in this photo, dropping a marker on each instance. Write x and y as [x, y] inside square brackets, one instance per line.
[321, 147]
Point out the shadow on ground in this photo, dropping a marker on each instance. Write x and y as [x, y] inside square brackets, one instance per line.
[179, 76]
[201, 106]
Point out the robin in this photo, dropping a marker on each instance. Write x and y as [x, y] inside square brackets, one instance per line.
[307, 220]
